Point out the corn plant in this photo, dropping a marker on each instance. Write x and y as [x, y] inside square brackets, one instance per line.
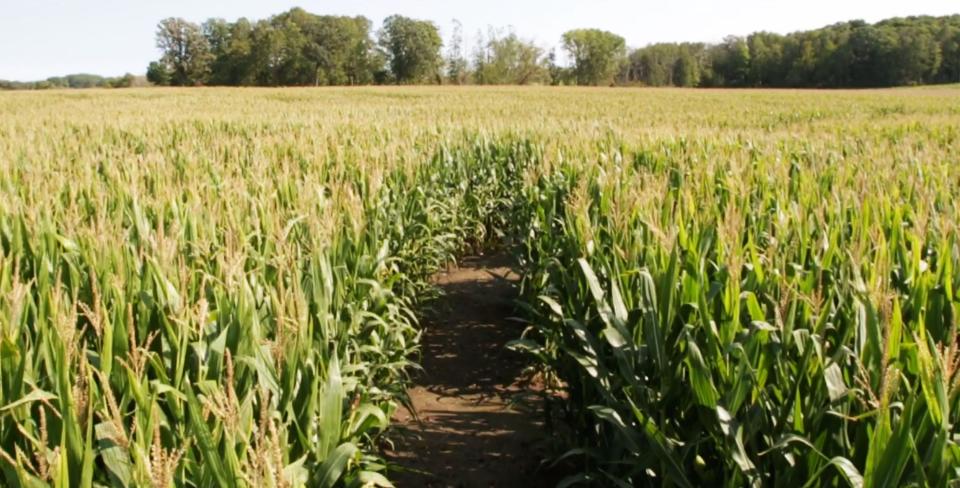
[220, 287]
[747, 322]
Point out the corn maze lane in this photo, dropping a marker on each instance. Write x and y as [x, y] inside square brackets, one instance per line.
[479, 423]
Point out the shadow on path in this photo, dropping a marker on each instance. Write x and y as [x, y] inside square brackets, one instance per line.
[478, 421]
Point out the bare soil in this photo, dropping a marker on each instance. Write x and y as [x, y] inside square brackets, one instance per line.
[476, 421]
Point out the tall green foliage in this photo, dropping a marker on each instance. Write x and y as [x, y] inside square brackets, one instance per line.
[597, 55]
[218, 287]
[230, 311]
[292, 48]
[893, 52]
[186, 52]
[505, 59]
[412, 49]
[742, 312]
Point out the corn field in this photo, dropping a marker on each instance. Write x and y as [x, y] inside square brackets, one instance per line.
[220, 287]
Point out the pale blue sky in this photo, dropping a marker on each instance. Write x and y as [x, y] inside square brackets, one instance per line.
[42, 38]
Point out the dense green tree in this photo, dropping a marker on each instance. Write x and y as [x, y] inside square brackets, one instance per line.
[765, 59]
[917, 57]
[731, 62]
[665, 64]
[506, 59]
[267, 53]
[186, 51]
[327, 50]
[597, 55]
[361, 58]
[291, 65]
[412, 49]
[649, 65]
[158, 74]
[686, 70]
[219, 38]
[872, 48]
[834, 58]
[950, 50]
[231, 47]
[235, 64]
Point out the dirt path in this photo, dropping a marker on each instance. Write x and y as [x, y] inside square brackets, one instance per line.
[479, 425]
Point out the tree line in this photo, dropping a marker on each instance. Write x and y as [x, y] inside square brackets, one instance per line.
[893, 52]
[297, 48]
[79, 80]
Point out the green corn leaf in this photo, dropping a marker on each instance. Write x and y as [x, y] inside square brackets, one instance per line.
[734, 433]
[373, 479]
[328, 473]
[592, 282]
[212, 461]
[849, 471]
[653, 334]
[836, 386]
[296, 474]
[36, 395]
[116, 458]
[554, 306]
[700, 376]
[330, 408]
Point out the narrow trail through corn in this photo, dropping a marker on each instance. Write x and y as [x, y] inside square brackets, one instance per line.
[479, 424]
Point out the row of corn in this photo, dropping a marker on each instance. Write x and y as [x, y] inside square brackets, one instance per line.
[728, 313]
[205, 304]
[219, 287]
